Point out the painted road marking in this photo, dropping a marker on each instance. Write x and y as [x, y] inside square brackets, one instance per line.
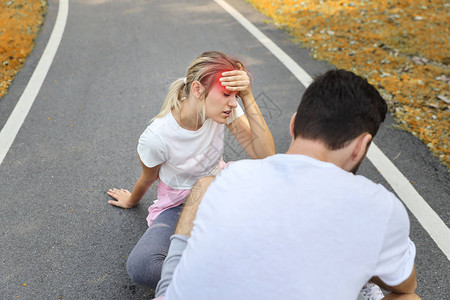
[23, 106]
[426, 216]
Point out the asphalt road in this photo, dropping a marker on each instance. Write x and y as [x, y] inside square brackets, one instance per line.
[60, 239]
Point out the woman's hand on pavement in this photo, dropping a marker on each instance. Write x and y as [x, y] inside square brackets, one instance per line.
[121, 197]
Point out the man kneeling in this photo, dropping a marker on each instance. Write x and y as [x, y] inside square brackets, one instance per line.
[299, 225]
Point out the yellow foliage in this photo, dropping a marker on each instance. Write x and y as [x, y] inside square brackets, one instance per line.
[20, 21]
[400, 46]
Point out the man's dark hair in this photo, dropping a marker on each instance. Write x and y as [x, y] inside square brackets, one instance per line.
[337, 107]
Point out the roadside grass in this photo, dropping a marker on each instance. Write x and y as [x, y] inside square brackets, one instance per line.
[399, 46]
[20, 22]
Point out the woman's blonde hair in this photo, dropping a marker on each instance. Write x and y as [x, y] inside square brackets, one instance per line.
[207, 69]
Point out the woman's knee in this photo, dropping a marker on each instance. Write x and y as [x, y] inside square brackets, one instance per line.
[145, 261]
[145, 269]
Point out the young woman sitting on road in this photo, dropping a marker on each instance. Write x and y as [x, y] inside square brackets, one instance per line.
[184, 143]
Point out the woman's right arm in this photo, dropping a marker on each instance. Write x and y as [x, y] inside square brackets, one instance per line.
[125, 199]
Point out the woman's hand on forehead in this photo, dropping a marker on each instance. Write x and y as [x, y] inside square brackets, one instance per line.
[236, 81]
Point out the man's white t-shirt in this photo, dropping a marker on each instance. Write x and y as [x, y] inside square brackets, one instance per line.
[185, 155]
[292, 227]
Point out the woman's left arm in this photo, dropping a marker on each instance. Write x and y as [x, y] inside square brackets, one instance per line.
[250, 131]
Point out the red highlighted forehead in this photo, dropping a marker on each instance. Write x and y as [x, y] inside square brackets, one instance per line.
[219, 74]
[218, 82]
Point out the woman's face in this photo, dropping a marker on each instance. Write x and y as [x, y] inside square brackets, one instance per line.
[219, 103]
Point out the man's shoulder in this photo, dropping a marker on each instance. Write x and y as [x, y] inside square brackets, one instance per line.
[251, 165]
[240, 166]
[300, 170]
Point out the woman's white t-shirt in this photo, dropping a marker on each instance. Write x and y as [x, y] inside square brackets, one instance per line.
[185, 155]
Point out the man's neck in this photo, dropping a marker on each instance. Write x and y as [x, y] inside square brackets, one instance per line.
[318, 150]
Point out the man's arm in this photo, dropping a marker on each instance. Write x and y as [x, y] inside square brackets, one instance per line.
[177, 245]
[187, 217]
[395, 271]
[406, 287]
[178, 241]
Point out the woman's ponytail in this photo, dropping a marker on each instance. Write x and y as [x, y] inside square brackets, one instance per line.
[173, 98]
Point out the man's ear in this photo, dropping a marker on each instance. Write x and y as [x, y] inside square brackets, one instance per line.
[291, 125]
[197, 89]
[361, 146]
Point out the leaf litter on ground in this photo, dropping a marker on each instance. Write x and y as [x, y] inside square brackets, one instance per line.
[20, 22]
[399, 46]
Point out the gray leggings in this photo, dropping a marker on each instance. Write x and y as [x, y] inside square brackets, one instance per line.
[145, 261]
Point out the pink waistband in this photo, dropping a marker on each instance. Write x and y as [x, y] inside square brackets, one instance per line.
[169, 197]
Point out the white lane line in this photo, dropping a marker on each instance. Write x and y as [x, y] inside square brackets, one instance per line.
[23, 106]
[295, 69]
[426, 216]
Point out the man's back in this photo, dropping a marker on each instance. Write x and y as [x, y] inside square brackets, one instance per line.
[290, 226]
